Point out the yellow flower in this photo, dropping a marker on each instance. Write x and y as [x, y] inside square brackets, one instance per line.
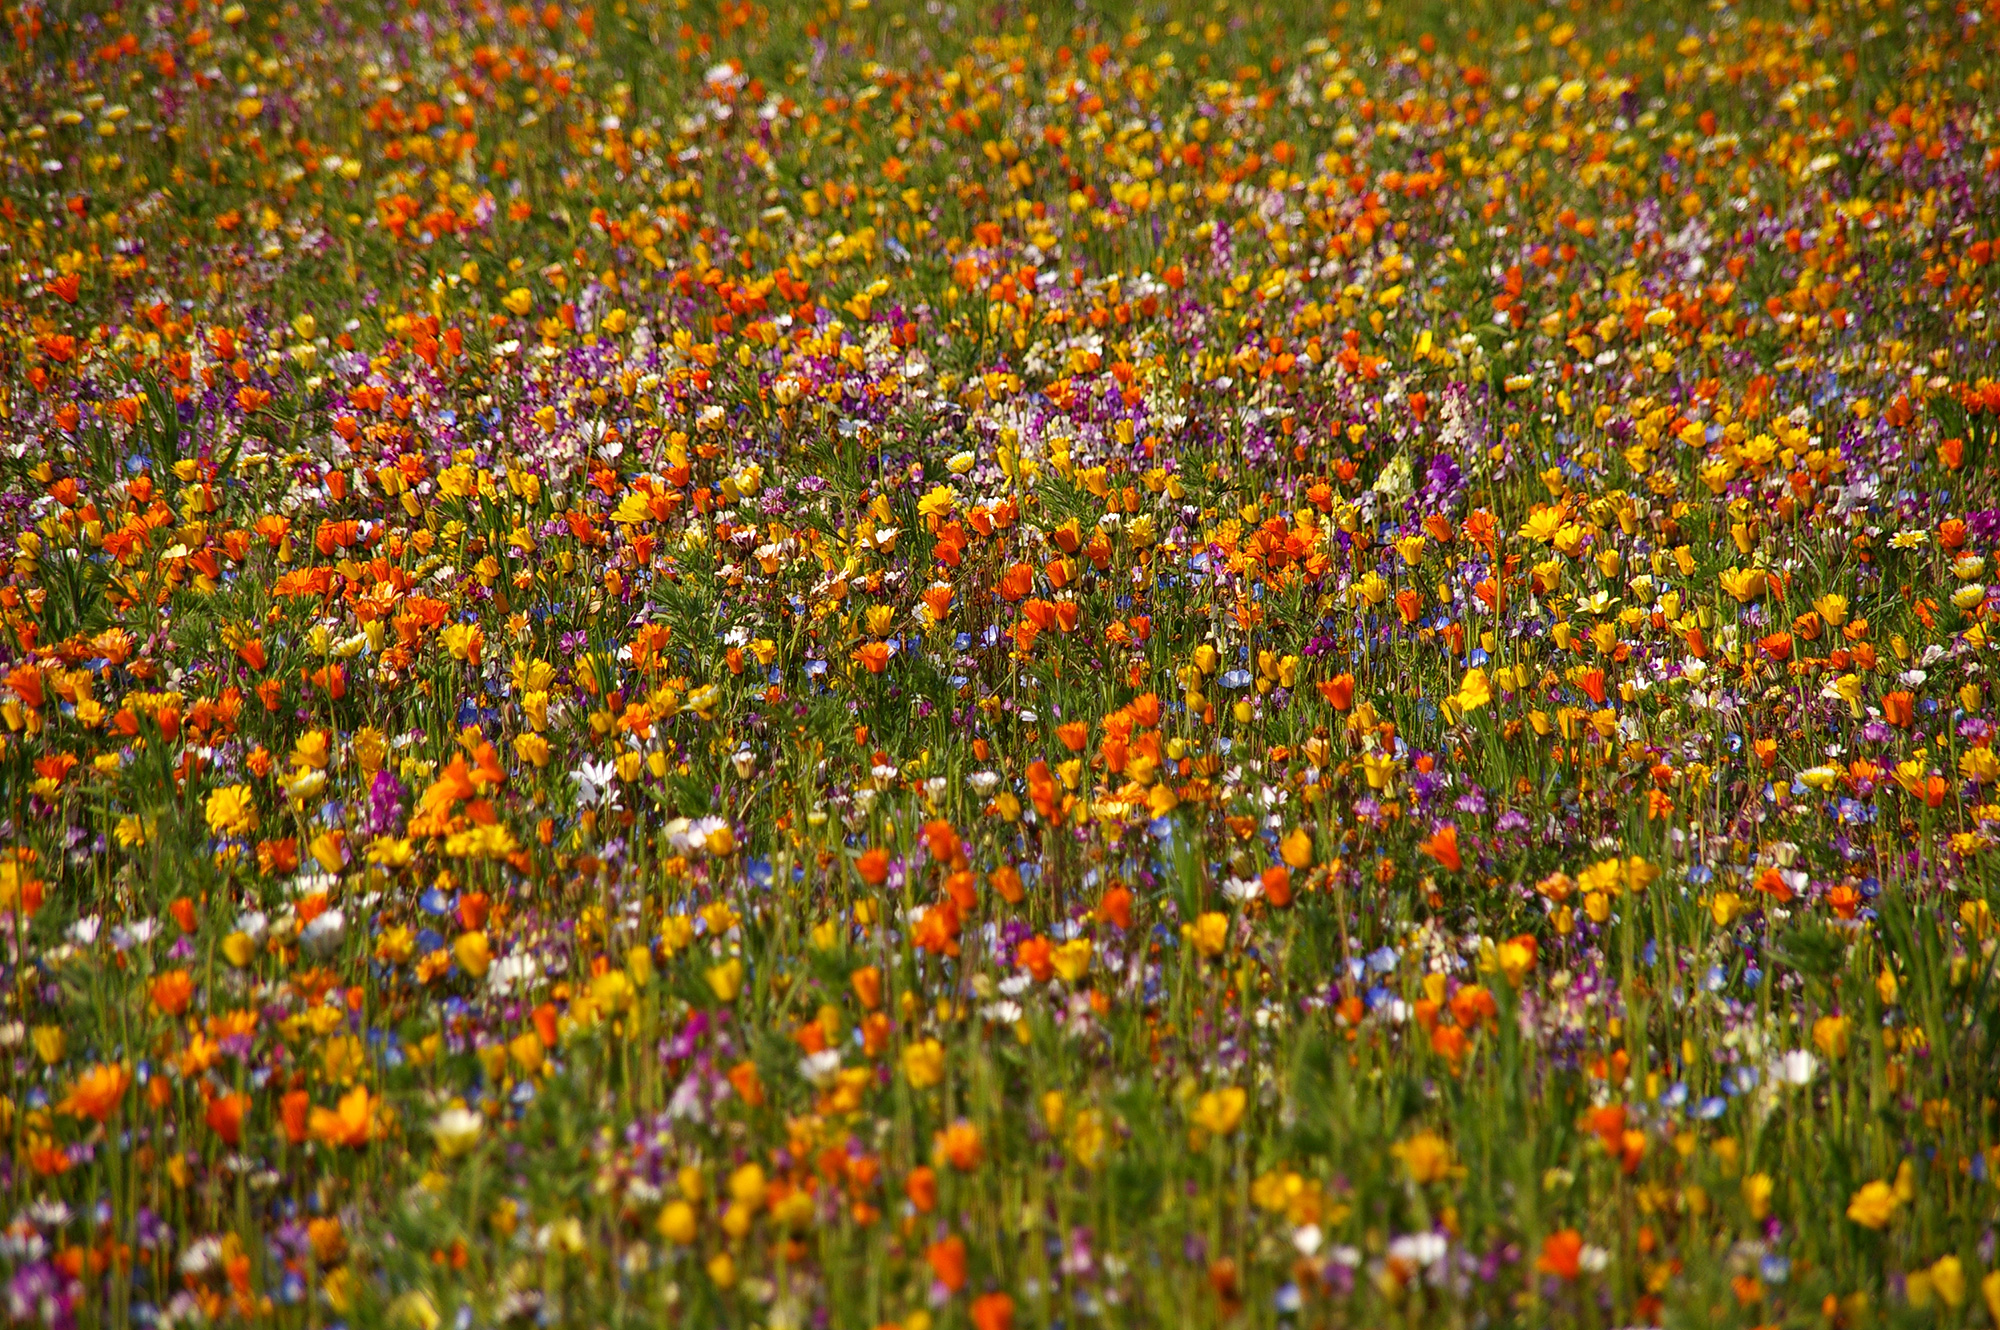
[1873, 1206]
[725, 980]
[923, 1063]
[747, 1186]
[474, 953]
[1745, 584]
[1088, 1137]
[518, 301]
[1474, 691]
[1209, 933]
[1218, 1111]
[676, 932]
[239, 948]
[1726, 907]
[1072, 959]
[1297, 849]
[1757, 1190]
[51, 1043]
[1830, 1035]
[526, 1050]
[1427, 1156]
[1516, 958]
[677, 1223]
[1948, 1280]
[232, 811]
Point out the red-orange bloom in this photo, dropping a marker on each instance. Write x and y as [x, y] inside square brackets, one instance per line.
[1562, 1254]
[993, 1311]
[947, 1262]
[171, 992]
[225, 1117]
[1443, 847]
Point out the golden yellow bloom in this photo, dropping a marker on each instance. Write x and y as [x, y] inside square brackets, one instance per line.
[1426, 1156]
[1474, 691]
[725, 980]
[232, 810]
[526, 1050]
[677, 1223]
[1948, 1280]
[474, 953]
[51, 1043]
[1072, 959]
[1873, 1206]
[1209, 933]
[923, 1063]
[1745, 584]
[1088, 1137]
[1218, 1111]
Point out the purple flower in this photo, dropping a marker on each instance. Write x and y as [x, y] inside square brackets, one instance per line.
[385, 804]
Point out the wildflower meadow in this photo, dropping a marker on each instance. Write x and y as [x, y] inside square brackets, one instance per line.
[999, 664]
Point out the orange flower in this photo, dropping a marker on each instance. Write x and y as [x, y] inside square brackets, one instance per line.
[1016, 582]
[947, 1262]
[1006, 880]
[1074, 734]
[867, 984]
[351, 1122]
[1278, 885]
[98, 1091]
[1473, 1005]
[292, 1113]
[1042, 788]
[1036, 956]
[1448, 1042]
[749, 1086]
[921, 1188]
[1443, 847]
[1899, 709]
[1338, 691]
[937, 931]
[1116, 908]
[1772, 883]
[873, 866]
[960, 1145]
[225, 1117]
[993, 1311]
[941, 840]
[171, 992]
[872, 656]
[1562, 1254]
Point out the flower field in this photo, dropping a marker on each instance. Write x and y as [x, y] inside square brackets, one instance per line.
[668, 662]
